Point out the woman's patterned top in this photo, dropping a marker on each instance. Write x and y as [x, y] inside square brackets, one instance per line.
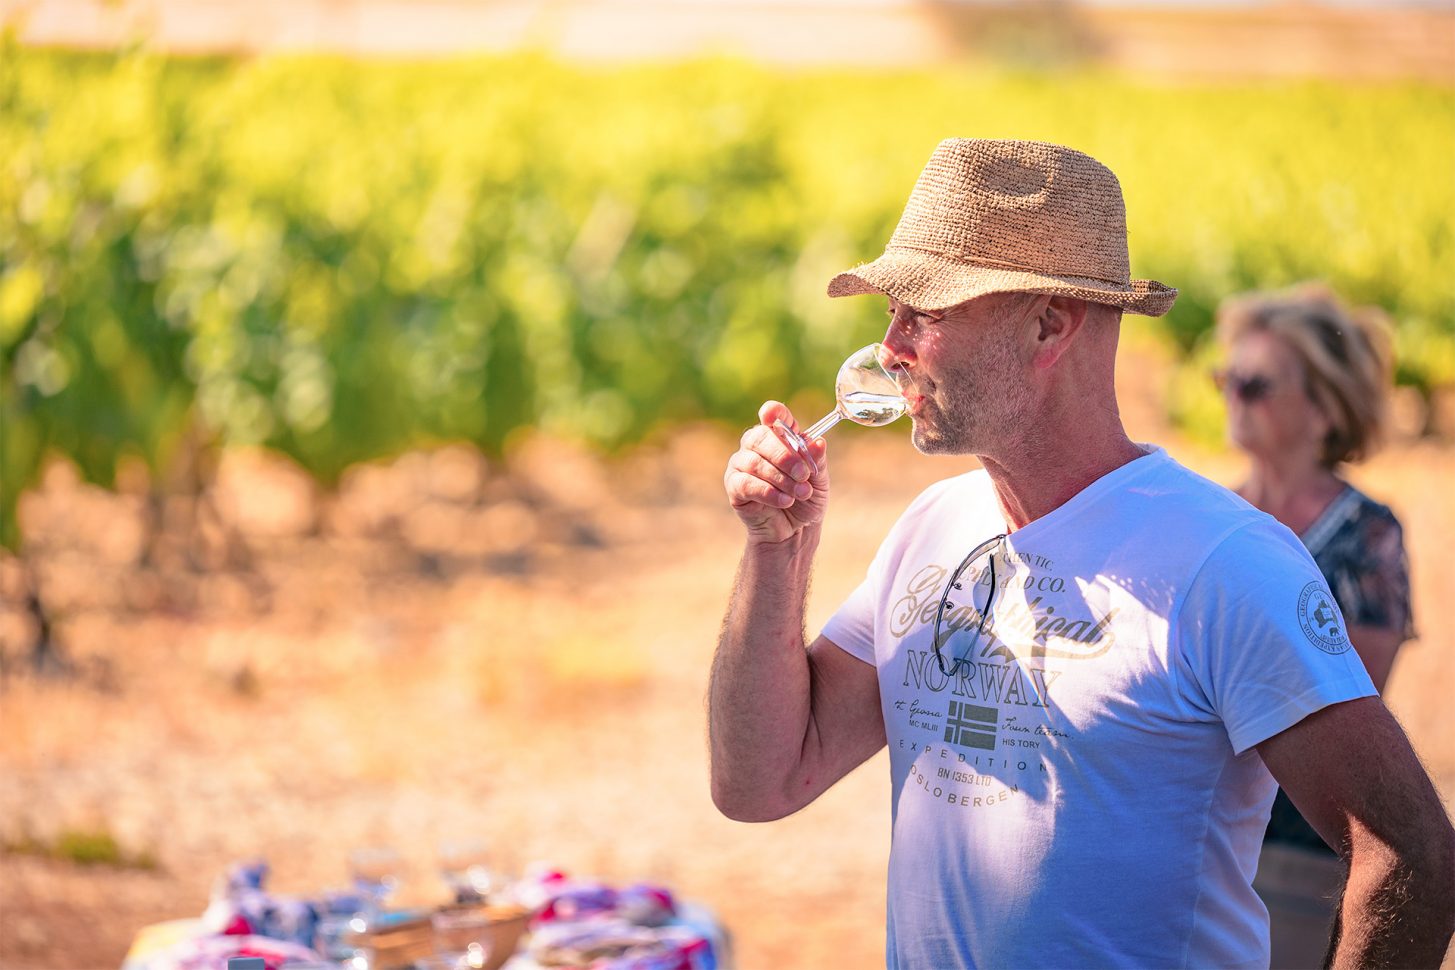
[1359, 547]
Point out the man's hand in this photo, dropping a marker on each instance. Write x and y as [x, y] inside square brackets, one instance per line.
[774, 492]
[1351, 772]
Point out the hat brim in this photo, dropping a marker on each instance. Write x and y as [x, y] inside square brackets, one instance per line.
[928, 281]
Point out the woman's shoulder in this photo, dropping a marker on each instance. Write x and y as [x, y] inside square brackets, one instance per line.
[1372, 516]
[1365, 563]
[1357, 532]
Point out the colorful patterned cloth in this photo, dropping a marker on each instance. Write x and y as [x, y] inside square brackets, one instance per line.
[1359, 547]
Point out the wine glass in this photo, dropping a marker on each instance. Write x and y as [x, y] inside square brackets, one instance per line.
[453, 960]
[342, 940]
[463, 934]
[868, 393]
[375, 871]
[465, 866]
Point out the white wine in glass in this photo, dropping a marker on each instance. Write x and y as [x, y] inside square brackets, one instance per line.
[868, 393]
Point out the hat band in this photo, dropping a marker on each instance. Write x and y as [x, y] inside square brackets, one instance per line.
[998, 264]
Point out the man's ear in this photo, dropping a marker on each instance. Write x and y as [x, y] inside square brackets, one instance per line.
[1059, 322]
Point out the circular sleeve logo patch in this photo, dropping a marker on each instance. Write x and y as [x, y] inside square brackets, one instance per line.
[1320, 619]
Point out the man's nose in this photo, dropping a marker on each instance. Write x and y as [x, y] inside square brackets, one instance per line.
[899, 351]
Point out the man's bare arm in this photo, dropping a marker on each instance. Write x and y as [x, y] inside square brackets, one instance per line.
[1376, 646]
[1352, 773]
[784, 721]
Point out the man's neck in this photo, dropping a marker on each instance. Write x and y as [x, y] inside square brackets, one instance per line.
[1043, 472]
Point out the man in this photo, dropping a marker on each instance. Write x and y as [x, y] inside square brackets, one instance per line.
[1085, 660]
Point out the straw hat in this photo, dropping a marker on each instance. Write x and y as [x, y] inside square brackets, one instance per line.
[1009, 216]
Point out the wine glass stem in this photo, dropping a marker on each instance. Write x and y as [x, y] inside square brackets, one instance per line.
[822, 425]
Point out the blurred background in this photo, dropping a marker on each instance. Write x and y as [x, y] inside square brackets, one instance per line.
[369, 367]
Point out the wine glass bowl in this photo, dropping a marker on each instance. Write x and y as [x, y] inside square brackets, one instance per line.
[867, 392]
[465, 867]
[375, 871]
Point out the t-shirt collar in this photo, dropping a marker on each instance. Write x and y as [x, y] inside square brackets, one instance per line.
[1153, 456]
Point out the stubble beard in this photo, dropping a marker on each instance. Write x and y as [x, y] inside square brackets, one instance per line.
[954, 429]
[975, 414]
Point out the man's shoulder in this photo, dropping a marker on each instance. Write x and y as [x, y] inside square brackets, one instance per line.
[1176, 503]
[960, 498]
[1171, 488]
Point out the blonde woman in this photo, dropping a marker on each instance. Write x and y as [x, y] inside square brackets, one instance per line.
[1305, 385]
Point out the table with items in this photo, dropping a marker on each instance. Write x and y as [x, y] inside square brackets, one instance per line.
[546, 919]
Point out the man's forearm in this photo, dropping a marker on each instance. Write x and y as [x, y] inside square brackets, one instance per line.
[1394, 913]
[759, 697]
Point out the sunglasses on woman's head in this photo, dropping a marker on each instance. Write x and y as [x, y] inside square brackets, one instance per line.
[1248, 388]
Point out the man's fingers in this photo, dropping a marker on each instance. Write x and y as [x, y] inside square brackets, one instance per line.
[754, 464]
[754, 468]
[745, 490]
[776, 411]
[818, 450]
[795, 443]
[766, 443]
[765, 477]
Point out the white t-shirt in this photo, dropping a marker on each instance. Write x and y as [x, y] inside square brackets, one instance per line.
[1085, 792]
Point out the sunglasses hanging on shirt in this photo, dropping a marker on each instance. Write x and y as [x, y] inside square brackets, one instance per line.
[979, 613]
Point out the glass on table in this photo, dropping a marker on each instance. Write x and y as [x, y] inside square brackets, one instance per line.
[458, 960]
[375, 872]
[343, 941]
[465, 867]
[867, 390]
[463, 933]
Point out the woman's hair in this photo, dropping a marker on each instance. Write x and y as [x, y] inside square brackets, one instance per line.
[1345, 353]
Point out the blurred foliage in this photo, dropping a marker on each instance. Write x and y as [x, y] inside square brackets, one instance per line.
[84, 847]
[343, 260]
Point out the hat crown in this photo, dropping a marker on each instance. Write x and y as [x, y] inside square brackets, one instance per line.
[1021, 205]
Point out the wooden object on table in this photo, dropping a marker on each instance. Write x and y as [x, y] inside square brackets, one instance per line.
[396, 947]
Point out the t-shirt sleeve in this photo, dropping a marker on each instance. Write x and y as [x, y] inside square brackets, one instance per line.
[852, 625]
[1262, 643]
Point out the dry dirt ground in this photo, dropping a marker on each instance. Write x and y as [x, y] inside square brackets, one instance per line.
[1293, 38]
[448, 647]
